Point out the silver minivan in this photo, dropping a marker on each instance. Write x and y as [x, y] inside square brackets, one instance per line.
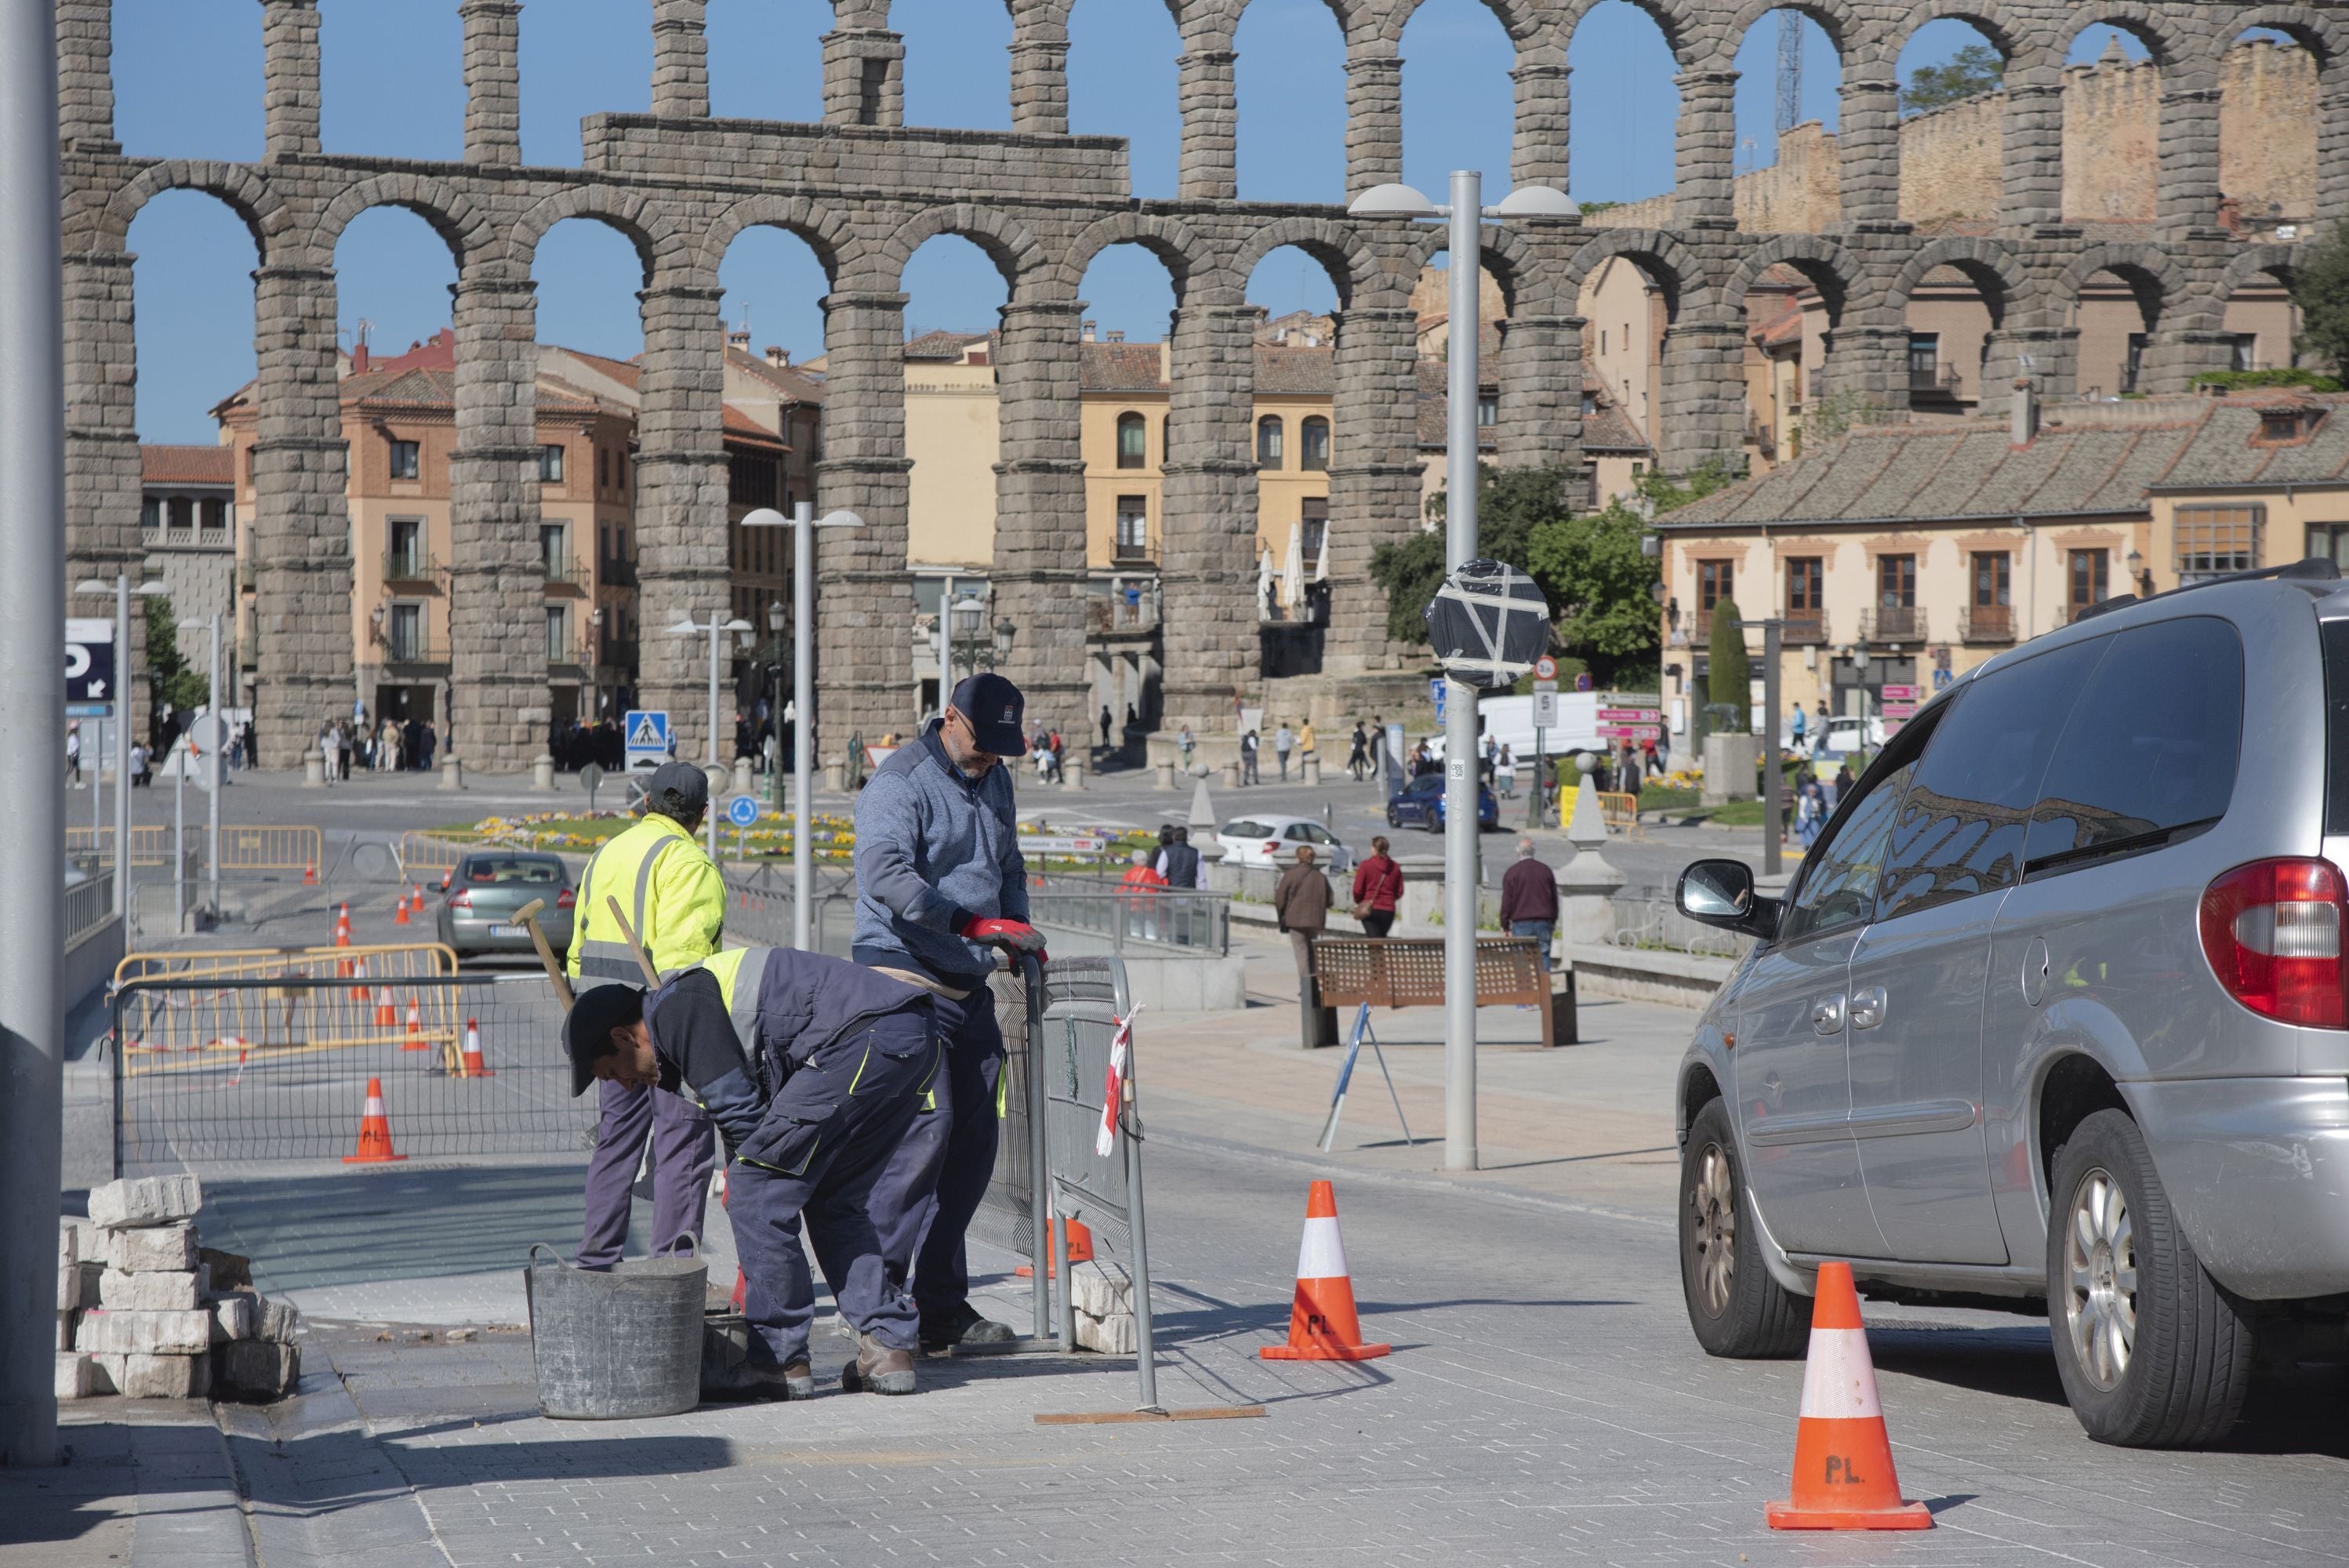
[2054, 1015]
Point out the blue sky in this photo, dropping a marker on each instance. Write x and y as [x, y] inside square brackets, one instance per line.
[188, 83]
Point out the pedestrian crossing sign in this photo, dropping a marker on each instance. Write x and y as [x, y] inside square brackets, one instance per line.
[646, 730]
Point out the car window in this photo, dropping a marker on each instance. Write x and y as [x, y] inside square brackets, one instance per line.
[512, 869]
[1960, 831]
[2152, 746]
[1294, 833]
[1316, 834]
[1244, 830]
[1838, 879]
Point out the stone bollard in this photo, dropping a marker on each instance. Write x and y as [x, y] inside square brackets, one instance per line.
[1072, 773]
[1231, 775]
[835, 776]
[313, 770]
[1309, 771]
[1166, 776]
[1586, 884]
[541, 774]
[741, 776]
[452, 772]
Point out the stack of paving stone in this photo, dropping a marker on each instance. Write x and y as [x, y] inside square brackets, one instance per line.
[143, 1311]
[1102, 1294]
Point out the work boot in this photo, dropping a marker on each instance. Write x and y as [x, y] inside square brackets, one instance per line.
[879, 1369]
[750, 1382]
[962, 1326]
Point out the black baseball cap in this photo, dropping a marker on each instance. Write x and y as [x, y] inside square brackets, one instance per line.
[678, 791]
[993, 705]
[588, 1028]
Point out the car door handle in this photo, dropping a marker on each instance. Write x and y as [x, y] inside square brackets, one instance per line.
[1868, 1008]
[1826, 1015]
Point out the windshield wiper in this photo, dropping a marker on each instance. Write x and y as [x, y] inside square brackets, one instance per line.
[2151, 840]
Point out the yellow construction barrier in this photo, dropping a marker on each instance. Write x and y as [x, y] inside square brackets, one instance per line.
[1621, 812]
[241, 1023]
[383, 964]
[428, 854]
[270, 849]
[149, 846]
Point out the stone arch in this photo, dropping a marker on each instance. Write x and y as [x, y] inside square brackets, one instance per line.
[838, 248]
[1009, 244]
[1834, 271]
[2161, 286]
[237, 186]
[1670, 16]
[634, 214]
[1503, 255]
[2279, 262]
[1985, 16]
[450, 213]
[2149, 26]
[1836, 19]
[1188, 261]
[2318, 34]
[1986, 261]
[1522, 19]
[1335, 246]
[1675, 268]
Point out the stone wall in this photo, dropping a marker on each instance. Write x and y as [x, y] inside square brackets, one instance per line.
[865, 192]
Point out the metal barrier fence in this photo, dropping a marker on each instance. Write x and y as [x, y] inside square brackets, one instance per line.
[424, 854]
[90, 904]
[247, 1072]
[381, 965]
[1620, 812]
[149, 845]
[1655, 923]
[1158, 917]
[1006, 1214]
[270, 849]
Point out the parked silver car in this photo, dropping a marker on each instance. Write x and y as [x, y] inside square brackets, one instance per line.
[2054, 1015]
[488, 888]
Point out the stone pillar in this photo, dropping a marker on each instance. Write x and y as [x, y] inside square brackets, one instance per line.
[86, 75]
[1870, 362]
[1374, 478]
[864, 77]
[864, 624]
[2188, 186]
[2054, 354]
[1704, 159]
[1039, 570]
[1040, 73]
[301, 547]
[681, 566]
[2175, 355]
[1541, 393]
[680, 60]
[2333, 141]
[1210, 109]
[2031, 155]
[1207, 520]
[289, 94]
[498, 705]
[1537, 149]
[492, 82]
[1870, 143]
[102, 475]
[1702, 360]
[1374, 115]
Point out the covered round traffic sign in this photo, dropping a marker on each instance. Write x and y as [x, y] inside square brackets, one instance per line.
[1487, 624]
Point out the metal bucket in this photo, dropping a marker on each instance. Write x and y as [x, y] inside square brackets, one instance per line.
[612, 1345]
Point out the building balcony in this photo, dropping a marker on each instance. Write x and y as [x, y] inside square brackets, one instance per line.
[1802, 628]
[415, 652]
[617, 572]
[1987, 624]
[1940, 379]
[565, 572]
[1892, 623]
[1127, 554]
[409, 566]
[1108, 615]
[617, 652]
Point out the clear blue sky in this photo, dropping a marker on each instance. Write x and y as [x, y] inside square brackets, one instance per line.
[188, 83]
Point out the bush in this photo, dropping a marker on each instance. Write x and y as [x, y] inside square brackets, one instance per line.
[1729, 682]
[2246, 380]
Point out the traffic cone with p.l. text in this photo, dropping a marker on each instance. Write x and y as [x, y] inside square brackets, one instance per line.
[1843, 1456]
[375, 1131]
[1322, 1322]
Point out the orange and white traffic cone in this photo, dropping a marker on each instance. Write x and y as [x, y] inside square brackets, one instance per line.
[343, 926]
[310, 874]
[470, 1064]
[415, 1041]
[399, 910]
[386, 1016]
[1081, 1250]
[416, 904]
[1322, 1325]
[1843, 1457]
[375, 1131]
[358, 973]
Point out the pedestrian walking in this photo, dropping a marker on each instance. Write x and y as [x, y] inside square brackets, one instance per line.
[1357, 755]
[1188, 743]
[1105, 724]
[1799, 730]
[676, 903]
[1529, 900]
[1306, 746]
[812, 1068]
[1284, 741]
[1142, 879]
[330, 752]
[1810, 811]
[941, 887]
[1505, 775]
[73, 755]
[1627, 770]
[1300, 901]
[140, 755]
[1377, 889]
[1180, 863]
[1248, 758]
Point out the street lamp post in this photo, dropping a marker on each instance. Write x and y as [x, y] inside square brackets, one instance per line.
[717, 630]
[124, 594]
[1466, 214]
[802, 522]
[1774, 816]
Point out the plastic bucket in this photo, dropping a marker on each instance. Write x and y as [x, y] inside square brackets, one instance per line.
[617, 1345]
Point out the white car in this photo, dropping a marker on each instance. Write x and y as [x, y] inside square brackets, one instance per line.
[1270, 841]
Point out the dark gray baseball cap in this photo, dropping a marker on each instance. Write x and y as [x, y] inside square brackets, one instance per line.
[678, 791]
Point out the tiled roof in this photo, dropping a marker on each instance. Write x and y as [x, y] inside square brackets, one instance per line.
[795, 382]
[2088, 459]
[187, 465]
[1134, 368]
[1609, 429]
[1130, 368]
[943, 345]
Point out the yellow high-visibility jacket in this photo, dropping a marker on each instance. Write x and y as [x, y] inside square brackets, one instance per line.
[673, 896]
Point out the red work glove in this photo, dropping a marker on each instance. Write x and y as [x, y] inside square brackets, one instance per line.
[1011, 935]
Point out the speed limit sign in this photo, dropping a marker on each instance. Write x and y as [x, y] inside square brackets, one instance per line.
[1545, 668]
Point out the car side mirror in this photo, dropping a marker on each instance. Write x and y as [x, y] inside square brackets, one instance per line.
[1721, 893]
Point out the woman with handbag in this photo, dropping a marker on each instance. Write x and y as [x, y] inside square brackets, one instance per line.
[1378, 888]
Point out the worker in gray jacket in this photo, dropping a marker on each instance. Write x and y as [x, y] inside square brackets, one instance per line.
[941, 888]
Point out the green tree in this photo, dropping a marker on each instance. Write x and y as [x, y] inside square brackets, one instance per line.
[2321, 288]
[169, 681]
[1729, 683]
[1971, 72]
[1510, 502]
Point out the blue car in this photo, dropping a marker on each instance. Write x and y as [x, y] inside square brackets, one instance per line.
[1422, 801]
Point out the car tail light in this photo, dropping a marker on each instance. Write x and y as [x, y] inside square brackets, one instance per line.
[566, 899]
[2271, 931]
[460, 900]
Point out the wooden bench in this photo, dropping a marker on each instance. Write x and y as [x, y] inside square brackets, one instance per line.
[1408, 972]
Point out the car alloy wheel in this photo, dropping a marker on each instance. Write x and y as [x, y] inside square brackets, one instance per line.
[2100, 1279]
[1714, 1198]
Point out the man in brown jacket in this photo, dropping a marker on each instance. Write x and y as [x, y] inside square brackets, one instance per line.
[1302, 901]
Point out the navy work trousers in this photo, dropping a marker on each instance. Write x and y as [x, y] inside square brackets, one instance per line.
[685, 1151]
[924, 1200]
[836, 1121]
